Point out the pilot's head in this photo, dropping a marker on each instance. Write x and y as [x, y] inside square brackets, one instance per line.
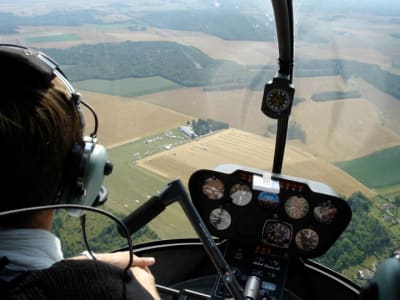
[41, 134]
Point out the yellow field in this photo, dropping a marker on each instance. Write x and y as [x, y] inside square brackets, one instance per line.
[342, 130]
[335, 130]
[240, 108]
[121, 120]
[243, 148]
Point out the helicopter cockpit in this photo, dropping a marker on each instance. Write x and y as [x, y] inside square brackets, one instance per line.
[280, 123]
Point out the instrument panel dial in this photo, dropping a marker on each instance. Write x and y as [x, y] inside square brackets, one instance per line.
[278, 234]
[241, 194]
[213, 188]
[307, 239]
[325, 213]
[296, 207]
[220, 219]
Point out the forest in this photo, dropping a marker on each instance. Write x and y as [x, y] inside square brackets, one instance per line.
[335, 95]
[235, 26]
[101, 232]
[184, 65]
[295, 132]
[205, 126]
[356, 243]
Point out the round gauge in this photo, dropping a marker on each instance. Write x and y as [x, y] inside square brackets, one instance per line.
[277, 234]
[296, 207]
[325, 213]
[241, 194]
[307, 239]
[220, 219]
[278, 100]
[213, 188]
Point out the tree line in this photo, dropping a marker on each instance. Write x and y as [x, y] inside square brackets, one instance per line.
[188, 66]
[205, 126]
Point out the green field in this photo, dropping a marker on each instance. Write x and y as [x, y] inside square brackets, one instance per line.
[377, 170]
[128, 87]
[130, 186]
[391, 192]
[53, 38]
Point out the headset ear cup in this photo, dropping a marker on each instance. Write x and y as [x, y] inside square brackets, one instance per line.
[89, 189]
[69, 183]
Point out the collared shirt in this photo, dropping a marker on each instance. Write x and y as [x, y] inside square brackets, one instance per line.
[27, 250]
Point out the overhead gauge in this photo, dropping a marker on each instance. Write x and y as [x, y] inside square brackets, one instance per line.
[325, 213]
[307, 239]
[277, 98]
[213, 188]
[220, 219]
[241, 194]
[296, 207]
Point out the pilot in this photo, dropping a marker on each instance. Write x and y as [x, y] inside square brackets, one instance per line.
[41, 140]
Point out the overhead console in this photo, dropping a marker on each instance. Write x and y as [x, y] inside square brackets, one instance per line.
[301, 217]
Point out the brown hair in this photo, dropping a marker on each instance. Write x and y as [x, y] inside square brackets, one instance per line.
[37, 131]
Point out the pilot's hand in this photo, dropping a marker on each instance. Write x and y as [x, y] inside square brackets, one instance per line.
[139, 268]
[121, 259]
[146, 279]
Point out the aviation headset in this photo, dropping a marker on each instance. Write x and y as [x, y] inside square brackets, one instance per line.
[84, 172]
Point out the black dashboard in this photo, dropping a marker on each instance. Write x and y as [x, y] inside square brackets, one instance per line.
[292, 215]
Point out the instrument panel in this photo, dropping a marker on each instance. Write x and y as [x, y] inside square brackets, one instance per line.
[299, 216]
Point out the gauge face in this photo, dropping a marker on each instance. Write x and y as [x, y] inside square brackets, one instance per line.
[213, 188]
[296, 207]
[241, 194]
[220, 219]
[307, 239]
[278, 100]
[277, 234]
[325, 213]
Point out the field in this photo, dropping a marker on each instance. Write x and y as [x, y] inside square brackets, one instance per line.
[335, 130]
[130, 185]
[343, 130]
[122, 121]
[128, 87]
[59, 38]
[390, 192]
[255, 151]
[379, 169]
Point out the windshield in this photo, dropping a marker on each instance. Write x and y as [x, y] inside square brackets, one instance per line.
[178, 85]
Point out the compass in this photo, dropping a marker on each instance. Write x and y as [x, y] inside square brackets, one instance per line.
[278, 98]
